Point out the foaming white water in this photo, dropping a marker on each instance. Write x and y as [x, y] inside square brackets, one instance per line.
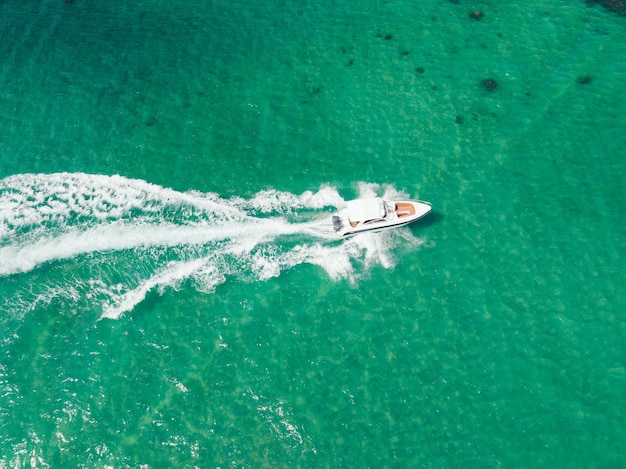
[111, 240]
[23, 257]
[269, 201]
[170, 276]
[33, 200]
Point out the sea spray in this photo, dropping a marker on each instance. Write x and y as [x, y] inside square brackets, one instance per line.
[102, 243]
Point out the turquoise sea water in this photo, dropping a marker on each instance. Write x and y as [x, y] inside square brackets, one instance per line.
[171, 294]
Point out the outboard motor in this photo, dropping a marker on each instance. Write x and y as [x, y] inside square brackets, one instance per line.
[337, 222]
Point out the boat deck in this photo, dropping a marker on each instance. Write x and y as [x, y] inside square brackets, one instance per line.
[404, 209]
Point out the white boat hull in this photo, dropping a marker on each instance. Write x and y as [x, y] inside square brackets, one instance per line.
[373, 215]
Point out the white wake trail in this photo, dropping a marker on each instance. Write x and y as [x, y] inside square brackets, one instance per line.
[173, 274]
[25, 257]
[104, 242]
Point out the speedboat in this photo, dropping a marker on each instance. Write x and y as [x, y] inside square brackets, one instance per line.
[376, 214]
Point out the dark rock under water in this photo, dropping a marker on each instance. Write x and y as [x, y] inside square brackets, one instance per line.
[617, 6]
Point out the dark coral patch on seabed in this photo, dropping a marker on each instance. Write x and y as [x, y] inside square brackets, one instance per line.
[617, 6]
[489, 84]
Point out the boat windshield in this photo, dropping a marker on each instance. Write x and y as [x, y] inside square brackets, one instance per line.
[366, 210]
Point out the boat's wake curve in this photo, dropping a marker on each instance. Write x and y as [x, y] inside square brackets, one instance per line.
[104, 242]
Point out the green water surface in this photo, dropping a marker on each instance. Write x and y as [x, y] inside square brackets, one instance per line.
[497, 342]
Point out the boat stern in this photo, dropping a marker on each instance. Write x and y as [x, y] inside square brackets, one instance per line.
[337, 223]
